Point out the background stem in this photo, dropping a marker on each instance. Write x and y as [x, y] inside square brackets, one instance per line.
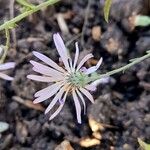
[12, 22]
[6, 47]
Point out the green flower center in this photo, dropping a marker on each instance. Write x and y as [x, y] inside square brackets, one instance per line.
[78, 79]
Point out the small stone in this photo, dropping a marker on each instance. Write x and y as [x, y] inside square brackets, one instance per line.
[127, 147]
[112, 46]
[65, 145]
[13, 106]
[38, 45]
[147, 119]
[21, 132]
[3, 126]
[96, 33]
[141, 74]
[34, 127]
[23, 44]
[89, 142]
[75, 30]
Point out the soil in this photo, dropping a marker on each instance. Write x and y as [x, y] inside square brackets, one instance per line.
[122, 105]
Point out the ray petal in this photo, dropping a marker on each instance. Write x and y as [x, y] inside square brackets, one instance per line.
[82, 99]
[62, 50]
[48, 61]
[46, 93]
[103, 80]
[77, 106]
[94, 68]
[54, 101]
[6, 66]
[84, 60]
[43, 69]
[76, 55]
[47, 89]
[5, 77]
[87, 94]
[99, 63]
[41, 78]
[59, 108]
[90, 87]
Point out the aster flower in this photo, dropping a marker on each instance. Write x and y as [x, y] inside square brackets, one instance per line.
[4, 67]
[72, 78]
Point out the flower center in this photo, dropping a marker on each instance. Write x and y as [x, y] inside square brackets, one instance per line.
[78, 79]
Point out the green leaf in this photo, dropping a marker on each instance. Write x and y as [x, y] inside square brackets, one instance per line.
[141, 20]
[143, 145]
[26, 4]
[13, 25]
[107, 9]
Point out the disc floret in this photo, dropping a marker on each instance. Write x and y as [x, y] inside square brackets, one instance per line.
[78, 79]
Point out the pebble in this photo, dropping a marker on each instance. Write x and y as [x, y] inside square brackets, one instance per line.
[96, 33]
[34, 127]
[65, 145]
[147, 118]
[21, 132]
[127, 147]
[3, 126]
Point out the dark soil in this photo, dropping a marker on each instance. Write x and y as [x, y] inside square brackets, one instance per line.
[123, 103]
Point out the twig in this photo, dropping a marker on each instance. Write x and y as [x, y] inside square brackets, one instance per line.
[13, 31]
[28, 103]
[62, 23]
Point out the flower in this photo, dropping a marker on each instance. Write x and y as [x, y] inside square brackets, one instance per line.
[4, 67]
[70, 79]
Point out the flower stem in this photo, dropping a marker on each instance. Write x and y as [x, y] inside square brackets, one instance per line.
[11, 23]
[134, 62]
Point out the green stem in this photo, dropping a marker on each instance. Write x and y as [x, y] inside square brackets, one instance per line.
[13, 21]
[136, 61]
[6, 47]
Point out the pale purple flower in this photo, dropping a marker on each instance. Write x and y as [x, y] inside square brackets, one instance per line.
[4, 67]
[70, 79]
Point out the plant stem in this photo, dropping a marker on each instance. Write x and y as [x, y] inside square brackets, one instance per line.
[6, 47]
[12, 22]
[136, 61]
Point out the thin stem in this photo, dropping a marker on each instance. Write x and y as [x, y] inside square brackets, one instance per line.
[6, 47]
[13, 21]
[13, 32]
[136, 61]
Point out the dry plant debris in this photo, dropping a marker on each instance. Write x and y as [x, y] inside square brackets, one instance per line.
[65, 145]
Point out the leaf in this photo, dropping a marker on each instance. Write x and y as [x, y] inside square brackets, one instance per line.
[11, 26]
[143, 145]
[26, 4]
[107, 9]
[141, 20]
